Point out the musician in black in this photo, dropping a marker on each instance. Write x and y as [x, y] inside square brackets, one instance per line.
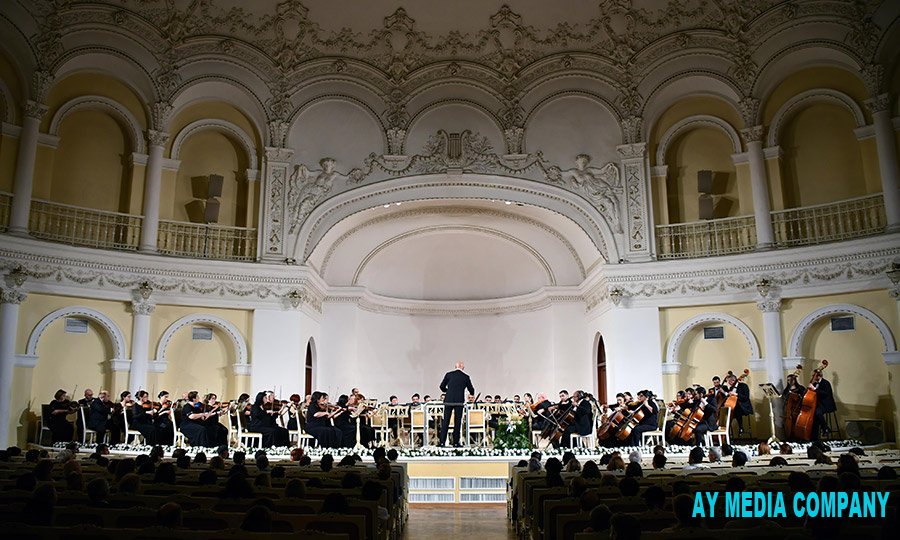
[824, 404]
[165, 433]
[142, 416]
[98, 417]
[59, 409]
[541, 410]
[583, 423]
[192, 421]
[263, 420]
[650, 421]
[318, 422]
[743, 407]
[455, 384]
[685, 402]
[710, 420]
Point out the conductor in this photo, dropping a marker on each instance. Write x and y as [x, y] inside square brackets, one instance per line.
[454, 385]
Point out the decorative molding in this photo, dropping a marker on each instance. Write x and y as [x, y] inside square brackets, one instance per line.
[803, 100]
[799, 334]
[865, 132]
[157, 138]
[120, 364]
[772, 152]
[12, 295]
[891, 358]
[682, 329]
[769, 305]
[26, 361]
[694, 122]
[224, 127]
[879, 103]
[753, 134]
[142, 308]
[659, 171]
[157, 366]
[35, 110]
[240, 345]
[104, 104]
[671, 368]
[112, 329]
[242, 369]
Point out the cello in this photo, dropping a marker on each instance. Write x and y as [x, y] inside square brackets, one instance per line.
[689, 420]
[803, 427]
[792, 407]
[559, 421]
[731, 400]
[628, 425]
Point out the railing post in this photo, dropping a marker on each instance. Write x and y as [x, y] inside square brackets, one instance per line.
[880, 106]
[759, 185]
[24, 178]
[152, 185]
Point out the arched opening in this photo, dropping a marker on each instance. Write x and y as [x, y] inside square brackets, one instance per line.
[308, 370]
[200, 357]
[601, 369]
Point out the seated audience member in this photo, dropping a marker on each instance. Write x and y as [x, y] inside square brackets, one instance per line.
[848, 463]
[616, 463]
[715, 454]
[129, 484]
[98, 492]
[257, 519]
[335, 503]
[599, 519]
[295, 489]
[625, 527]
[777, 461]
[683, 507]
[763, 449]
[695, 459]
[659, 461]
[633, 469]
[629, 487]
[169, 515]
[785, 449]
[735, 483]
[39, 509]
[590, 470]
[654, 498]
[739, 459]
[371, 491]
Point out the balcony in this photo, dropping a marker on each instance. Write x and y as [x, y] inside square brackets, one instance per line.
[202, 241]
[83, 226]
[5, 204]
[842, 220]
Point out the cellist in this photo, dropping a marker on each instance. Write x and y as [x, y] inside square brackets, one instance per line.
[684, 401]
[710, 421]
[824, 404]
[744, 407]
[650, 421]
[584, 418]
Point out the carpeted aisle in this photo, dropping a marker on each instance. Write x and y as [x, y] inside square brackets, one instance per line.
[481, 521]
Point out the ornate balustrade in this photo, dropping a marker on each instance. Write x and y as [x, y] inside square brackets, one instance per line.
[842, 220]
[84, 226]
[5, 204]
[706, 238]
[206, 241]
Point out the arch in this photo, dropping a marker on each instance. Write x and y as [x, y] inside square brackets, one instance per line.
[683, 328]
[226, 128]
[693, 122]
[800, 331]
[103, 104]
[225, 89]
[600, 100]
[803, 100]
[115, 334]
[455, 101]
[125, 68]
[310, 362]
[466, 186]
[240, 346]
[535, 254]
[335, 97]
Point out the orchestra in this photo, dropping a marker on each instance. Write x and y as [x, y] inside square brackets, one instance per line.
[350, 422]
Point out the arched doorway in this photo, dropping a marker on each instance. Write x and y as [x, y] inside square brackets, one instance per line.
[601, 369]
[308, 370]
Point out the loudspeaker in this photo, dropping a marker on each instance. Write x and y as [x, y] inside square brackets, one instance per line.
[705, 182]
[212, 211]
[866, 431]
[203, 211]
[215, 186]
[707, 206]
[206, 187]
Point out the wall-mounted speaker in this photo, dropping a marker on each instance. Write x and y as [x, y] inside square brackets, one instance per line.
[867, 431]
[705, 182]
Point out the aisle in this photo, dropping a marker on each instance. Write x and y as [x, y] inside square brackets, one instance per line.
[482, 522]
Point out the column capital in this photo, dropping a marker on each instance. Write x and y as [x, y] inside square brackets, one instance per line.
[631, 126]
[749, 109]
[278, 130]
[753, 133]
[12, 295]
[157, 138]
[879, 103]
[35, 110]
[141, 307]
[161, 112]
[769, 305]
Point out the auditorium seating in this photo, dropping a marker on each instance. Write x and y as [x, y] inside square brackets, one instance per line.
[539, 512]
[204, 512]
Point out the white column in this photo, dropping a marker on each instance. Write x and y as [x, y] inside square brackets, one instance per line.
[774, 359]
[24, 177]
[887, 158]
[759, 185]
[140, 344]
[152, 185]
[10, 298]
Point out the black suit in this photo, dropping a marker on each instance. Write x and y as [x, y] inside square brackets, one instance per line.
[583, 424]
[650, 422]
[454, 386]
[824, 404]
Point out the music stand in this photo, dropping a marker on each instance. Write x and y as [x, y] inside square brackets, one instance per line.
[770, 391]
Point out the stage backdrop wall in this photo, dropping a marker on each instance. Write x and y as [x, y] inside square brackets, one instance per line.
[386, 354]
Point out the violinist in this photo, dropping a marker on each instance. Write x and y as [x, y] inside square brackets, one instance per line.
[584, 418]
[61, 428]
[119, 410]
[318, 421]
[192, 421]
[743, 407]
[393, 421]
[824, 404]
[216, 433]
[165, 434]
[650, 421]
[99, 417]
[345, 423]
[293, 406]
[564, 399]
[87, 399]
[142, 417]
[263, 419]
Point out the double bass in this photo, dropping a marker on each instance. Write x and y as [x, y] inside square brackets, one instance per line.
[731, 400]
[792, 407]
[803, 427]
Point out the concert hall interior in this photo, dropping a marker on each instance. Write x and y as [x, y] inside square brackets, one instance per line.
[286, 198]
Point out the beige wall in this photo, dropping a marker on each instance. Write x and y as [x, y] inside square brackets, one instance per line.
[8, 149]
[808, 79]
[93, 84]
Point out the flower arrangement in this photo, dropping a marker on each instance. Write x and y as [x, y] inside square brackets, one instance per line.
[512, 434]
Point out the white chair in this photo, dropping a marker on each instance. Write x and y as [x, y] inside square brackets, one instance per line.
[244, 435]
[476, 424]
[416, 425]
[232, 431]
[298, 433]
[130, 432]
[41, 426]
[85, 432]
[656, 436]
[583, 441]
[722, 434]
[177, 435]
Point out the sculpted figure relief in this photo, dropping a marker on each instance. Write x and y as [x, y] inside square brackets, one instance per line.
[306, 189]
[600, 185]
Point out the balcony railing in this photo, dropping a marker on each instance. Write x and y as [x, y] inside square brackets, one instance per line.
[83, 226]
[206, 241]
[706, 238]
[5, 205]
[842, 220]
